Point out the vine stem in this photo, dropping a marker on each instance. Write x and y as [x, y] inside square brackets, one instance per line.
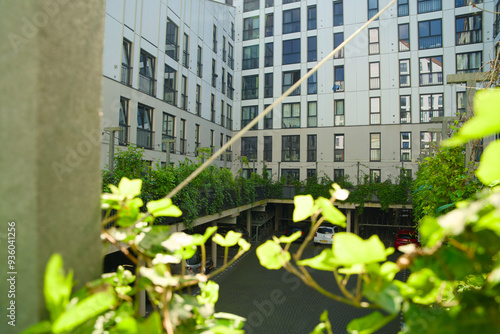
[167, 322]
[253, 122]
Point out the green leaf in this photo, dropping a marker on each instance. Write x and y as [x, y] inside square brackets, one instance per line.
[130, 188]
[488, 172]
[271, 256]
[229, 240]
[444, 207]
[286, 240]
[324, 261]
[369, 324]
[349, 249]
[57, 287]
[209, 293]
[304, 205]
[150, 244]
[486, 120]
[430, 231]
[86, 309]
[386, 296]
[163, 207]
[152, 325]
[423, 286]
[40, 328]
[330, 212]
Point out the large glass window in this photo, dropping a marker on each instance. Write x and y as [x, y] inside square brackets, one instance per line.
[431, 105]
[291, 115]
[268, 148]
[338, 38]
[289, 78]
[375, 75]
[338, 175]
[251, 28]
[312, 48]
[428, 141]
[429, 34]
[198, 100]
[312, 83]
[405, 109]
[372, 8]
[404, 73]
[250, 87]
[185, 51]
[290, 174]
[375, 147]
[339, 119]
[144, 126]
[249, 148]
[338, 73]
[184, 97]
[338, 13]
[269, 29]
[311, 17]
[214, 39]
[230, 58]
[268, 56]
[426, 6]
[249, 5]
[312, 146]
[469, 62]
[268, 85]
[250, 57]
[197, 142]
[126, 63]
[468, 29]
[170, 86]
[182, 133]
[403, 9]
[375, 176]
[404, 37]
[291, 20]
[290, 148]
[230, 88]
[405, 146]
[291, 51]
[268, 119]
[312, 114]
[339, 146]
[212, 108]
[147, 73]
[123, 122]
[462, 3]
[248, 113]
[431, 71]
[199, 64]
[373, 41]
[172, 40]
[375, 110]
[168, 132]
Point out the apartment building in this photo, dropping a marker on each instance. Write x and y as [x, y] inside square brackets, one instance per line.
[193, 72]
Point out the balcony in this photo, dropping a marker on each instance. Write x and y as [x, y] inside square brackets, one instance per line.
[123, 135]
[147, 84]
[126, 75]
[425, 116]
[429, 79]
[145, 138]
[469, 37]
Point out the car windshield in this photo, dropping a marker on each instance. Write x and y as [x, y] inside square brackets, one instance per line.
[406, 236]
[325, 230]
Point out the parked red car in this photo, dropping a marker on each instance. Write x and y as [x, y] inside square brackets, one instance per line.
[405, 237]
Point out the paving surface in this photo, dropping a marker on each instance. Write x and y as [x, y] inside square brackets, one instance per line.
[277, 302]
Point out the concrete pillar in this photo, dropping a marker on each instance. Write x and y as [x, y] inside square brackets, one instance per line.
[50, 132]
[348, 221]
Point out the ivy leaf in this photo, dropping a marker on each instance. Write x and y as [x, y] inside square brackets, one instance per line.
[163, 207]
[430, 231]
[271, 256]
[286, 240]
[304, 205]
[330, 212]
[369, 324]
[424, 286]
[230, 240]
[57, 287]
[42, 327]
[388, 296]
[151, 243]
[209, 293]
[152, 325]
[488, 171]
[349, 249]
[130, 188]
[324, 261]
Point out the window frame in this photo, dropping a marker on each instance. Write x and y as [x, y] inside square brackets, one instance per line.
[145, 115]
[438, 37]
[312, 114]
[373, 46]
[338, 13]
[249, 148]
[469, 36]
[250, 56]
[469, 69]
[290, 148]
[403, 75]
[248, 113]
[402, 47]
[339, 115]
[268, 85]
[168, 131]
[289, 78]
[170, 85]
[374, 69]
[172, 40]
[375, 147]
[424, 118]
[251, 28]
[312, 48]
[291, 51]
[250, 87]
[405, 111]
[405, 152]
[432, 76]
[312, 17]
[292, 110]
[375, 112]
[312, 148]
[291, 21]
[339, 147]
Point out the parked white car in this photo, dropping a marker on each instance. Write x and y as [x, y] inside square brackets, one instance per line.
[324, 235]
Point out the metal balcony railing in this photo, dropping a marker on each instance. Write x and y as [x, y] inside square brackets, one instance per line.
[469, 37]
[425, 116]
[147, 84]
[430, 42]
[428, 79]
[170, 95]
[126, 75]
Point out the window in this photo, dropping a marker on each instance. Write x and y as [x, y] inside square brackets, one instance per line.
[426, 6]
[212, 141]
[126, 63]
[182, 133]
[147, 73]
[249, 148]
[230, 58]
[469, 62]
[170, 85]
[291, 115]
[312, 83]
[289, 78]
[222, 116]
[199, 65]
[461, 103]
[290, 174]
[372, 8]
[462, 3]
[312, 114]
[496, 24]
[405, 146]
[311, 17]
[290, 1]
[339, 119]
[250, 57]
[375, 110]
[338, 148]
[196, 139]
[311, 173]
[184, 98]
[269, 3]
[312, 48]
[404, 73]
[290, 148]
[268, 56]
[338, 13]
[405, 109]
[168, 132]
[123, 122]
[312, 145]
[338, 175]
[429, 34]
[338, 38]
[249, 5]
[269, 25]
[268, 119]
[224, 52]
[185, 52]
[232, 31]
[250, 28]
[431, 105]
[375, 176]
[291, 51]
[268, 148]
[373, 41]
[223, 77]
[291, 21]
[375, 147]
[144, 126]
[212, 108]
[250, 87]
[428, 141]
[172, 40]
[198, 100]
[431, 71]
[404, 37]
[268, 85]
[375, 75]
[468, 29]
[214, 39]
[228, 152]
[229, 120]
[338, 72]
[248, 113]
[214, 74]
[221, 143]
[230, 88]
[403, 9]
